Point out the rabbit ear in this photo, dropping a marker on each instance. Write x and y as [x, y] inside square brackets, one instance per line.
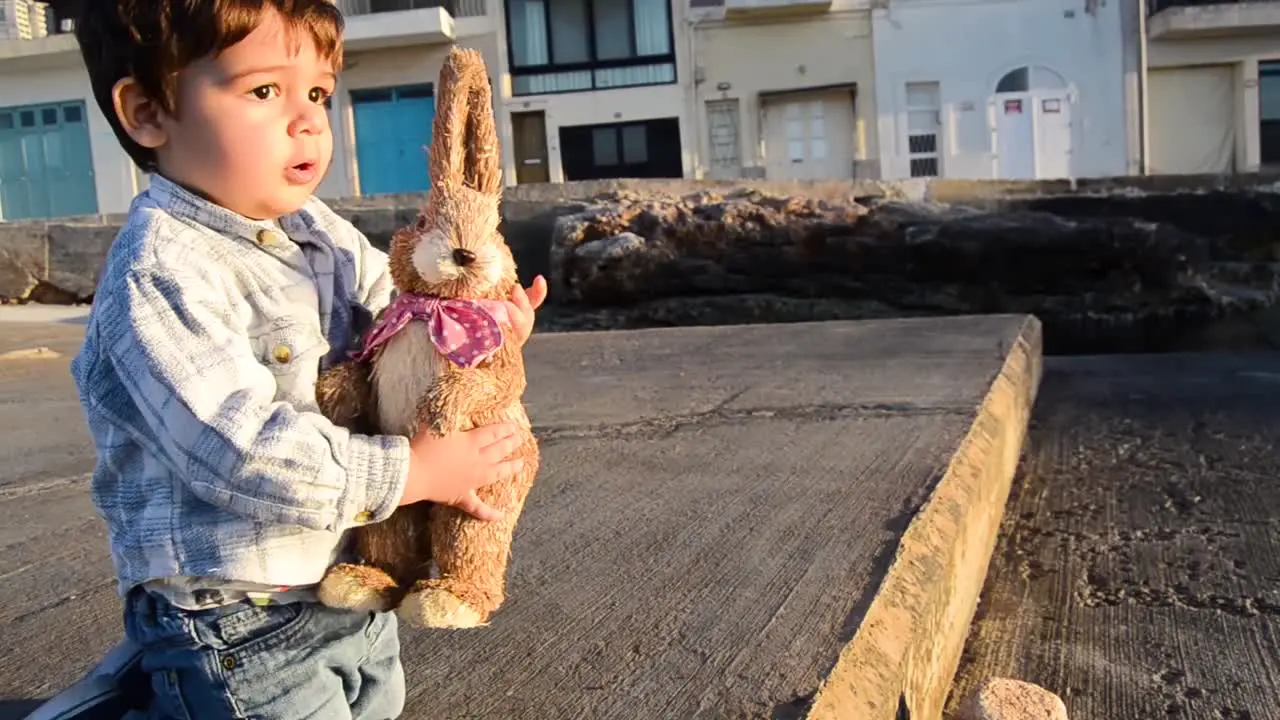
[464, 138]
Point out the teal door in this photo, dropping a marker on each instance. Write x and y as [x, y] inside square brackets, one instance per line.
[393, 130]
[46, 167]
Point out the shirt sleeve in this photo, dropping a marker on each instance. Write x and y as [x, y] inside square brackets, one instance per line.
[191, 372]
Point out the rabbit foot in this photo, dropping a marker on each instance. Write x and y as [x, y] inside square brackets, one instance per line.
[431, 606]
[357, 587]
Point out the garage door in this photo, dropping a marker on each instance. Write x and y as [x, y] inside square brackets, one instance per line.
[809, 136]
[393, 130]
[1192, 122]
[46, 168]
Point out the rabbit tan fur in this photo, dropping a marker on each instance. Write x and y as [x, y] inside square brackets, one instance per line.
[453, 252]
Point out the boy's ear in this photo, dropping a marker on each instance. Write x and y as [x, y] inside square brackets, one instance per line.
[139, 115]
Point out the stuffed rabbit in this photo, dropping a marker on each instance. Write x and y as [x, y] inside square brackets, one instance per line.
[438, 358]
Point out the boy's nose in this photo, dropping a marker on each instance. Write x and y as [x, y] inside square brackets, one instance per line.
[463, 257]
[310, 120]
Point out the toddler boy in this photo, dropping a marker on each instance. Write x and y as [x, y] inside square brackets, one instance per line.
[225, 492]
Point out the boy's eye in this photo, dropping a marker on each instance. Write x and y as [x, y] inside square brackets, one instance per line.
[263, 92]
[318, 95]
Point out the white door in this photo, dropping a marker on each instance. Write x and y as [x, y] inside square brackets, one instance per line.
[809, 137]
[722, 131]
[1014, 130]
[1053, 134]
[1031, 135]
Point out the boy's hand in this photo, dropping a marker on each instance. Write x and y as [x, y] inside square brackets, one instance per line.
[521, 307]
[449, 469]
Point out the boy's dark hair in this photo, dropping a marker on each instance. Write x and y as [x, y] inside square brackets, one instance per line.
[151, 40]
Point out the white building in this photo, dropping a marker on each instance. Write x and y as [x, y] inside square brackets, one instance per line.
[23, 19]
[1009, 89]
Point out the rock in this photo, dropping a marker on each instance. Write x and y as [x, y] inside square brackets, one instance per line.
[48, 293]
[1125, 282]
[700, 243]
[76, 254]
[614, 247]
[16, 280]
[1005, 699]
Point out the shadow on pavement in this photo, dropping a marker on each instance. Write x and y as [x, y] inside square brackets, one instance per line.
[17, 709]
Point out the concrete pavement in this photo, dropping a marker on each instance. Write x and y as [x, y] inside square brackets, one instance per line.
[755, 521]
[1138, 569]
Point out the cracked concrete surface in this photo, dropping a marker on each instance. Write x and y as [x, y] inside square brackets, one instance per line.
[716, 512]
[1138, 570]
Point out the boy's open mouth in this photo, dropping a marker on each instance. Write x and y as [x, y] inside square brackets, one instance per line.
[301, 174]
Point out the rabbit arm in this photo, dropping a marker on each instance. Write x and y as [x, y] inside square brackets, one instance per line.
[345, 396]
[459, 393]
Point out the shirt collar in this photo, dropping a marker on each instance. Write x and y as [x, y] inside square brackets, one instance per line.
[184, 204]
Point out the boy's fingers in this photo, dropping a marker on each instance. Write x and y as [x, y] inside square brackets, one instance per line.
[537, 292]
[530, 299]
[520, 299]
[488, 435]
[509, 468]
[474, 506]
[495, 453]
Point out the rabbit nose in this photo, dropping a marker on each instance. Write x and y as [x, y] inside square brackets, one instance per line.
[463, 257]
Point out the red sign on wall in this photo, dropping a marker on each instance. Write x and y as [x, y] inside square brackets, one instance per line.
[1012, 107]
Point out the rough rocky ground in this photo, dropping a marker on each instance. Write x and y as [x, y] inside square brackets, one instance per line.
[1138, 569]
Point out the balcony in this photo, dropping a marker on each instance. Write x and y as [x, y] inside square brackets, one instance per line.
[772, 8]
[374, 24]
[51, 51]
[1197, 19]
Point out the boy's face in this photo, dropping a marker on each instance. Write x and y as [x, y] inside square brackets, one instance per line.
[251, 132]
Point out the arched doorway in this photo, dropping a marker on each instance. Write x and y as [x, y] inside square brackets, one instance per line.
[1030, 119]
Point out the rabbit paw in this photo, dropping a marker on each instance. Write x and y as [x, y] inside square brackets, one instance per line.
[430, 606]
[357, 587]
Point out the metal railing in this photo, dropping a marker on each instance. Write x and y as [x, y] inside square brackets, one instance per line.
[1155, 6]
[456, 8]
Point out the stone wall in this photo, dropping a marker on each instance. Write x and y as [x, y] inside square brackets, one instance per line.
[1114, 261]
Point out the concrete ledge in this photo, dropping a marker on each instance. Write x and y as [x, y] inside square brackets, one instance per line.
[902, 659]
[760, 521]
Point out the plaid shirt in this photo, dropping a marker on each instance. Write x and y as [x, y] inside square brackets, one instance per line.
[197, 377]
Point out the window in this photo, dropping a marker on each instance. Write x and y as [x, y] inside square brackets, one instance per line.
[1026, 78]
[1269, 112]
[646, 149]
[806, 124]
[924, 126]
[575, 45]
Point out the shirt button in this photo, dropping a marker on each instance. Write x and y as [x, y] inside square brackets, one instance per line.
[268, 237]
[282, 354]
[364, 516]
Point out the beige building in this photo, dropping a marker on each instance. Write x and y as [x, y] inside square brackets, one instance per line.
[783, 89]
[584, 89]
[1212, 86]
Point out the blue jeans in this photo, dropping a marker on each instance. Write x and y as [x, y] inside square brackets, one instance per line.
[273, 662]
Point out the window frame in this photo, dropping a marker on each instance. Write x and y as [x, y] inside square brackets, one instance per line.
[594, 63]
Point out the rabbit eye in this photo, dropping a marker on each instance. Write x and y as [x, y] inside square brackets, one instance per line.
[421, 224]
